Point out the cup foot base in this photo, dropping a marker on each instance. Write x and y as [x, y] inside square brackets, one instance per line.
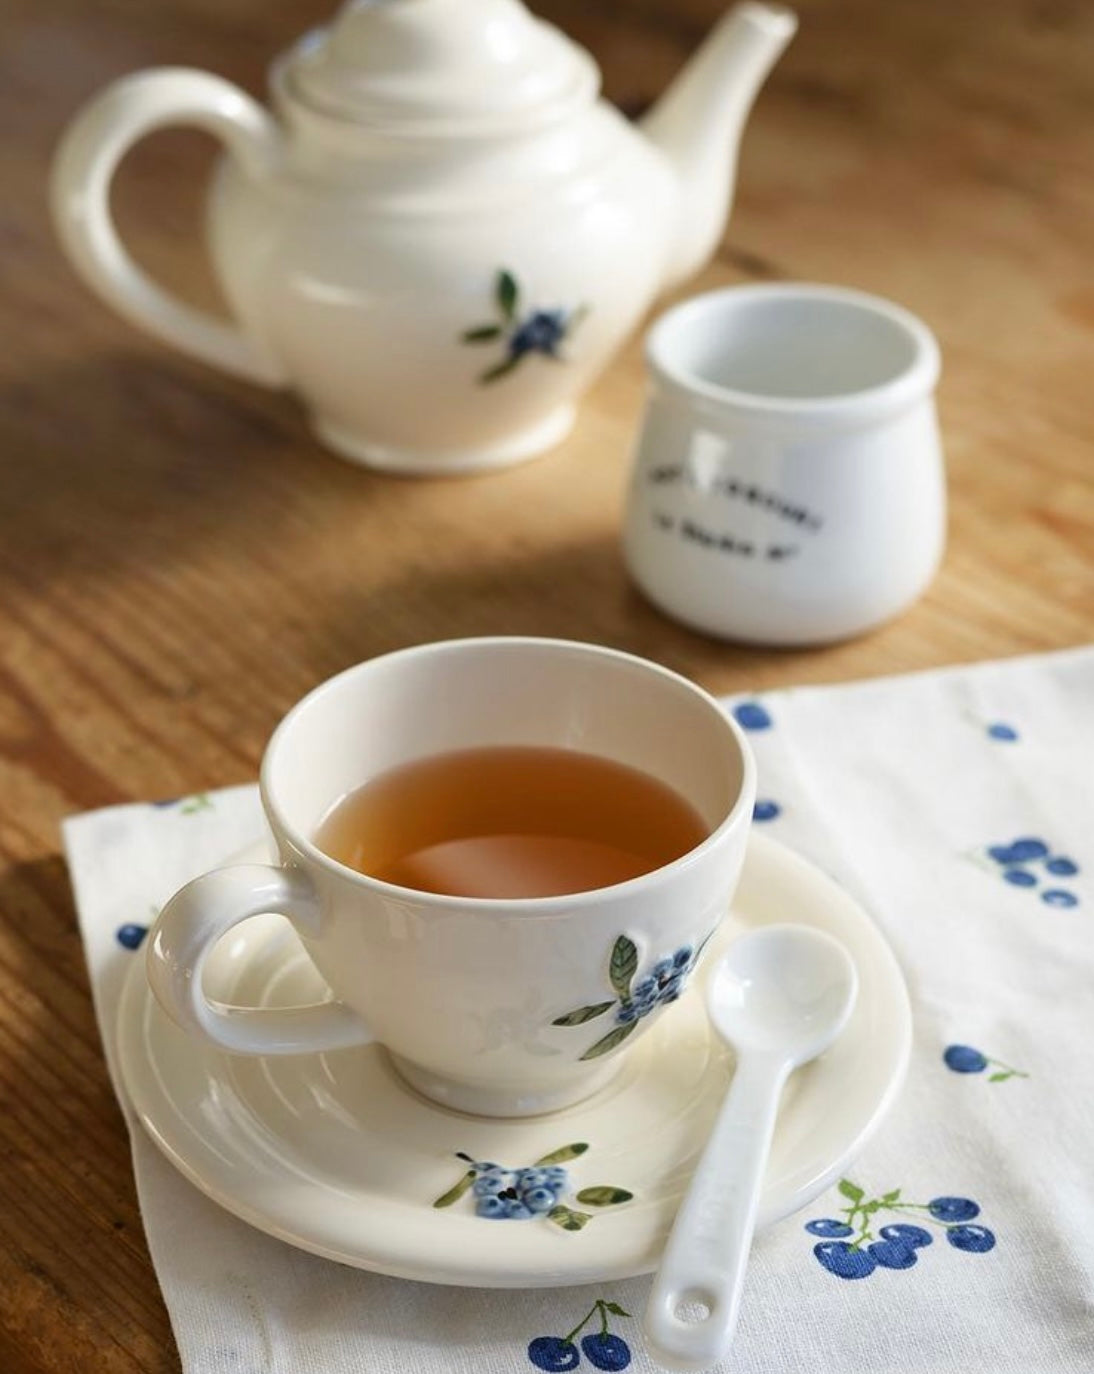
[478, 1100]
[515, 448]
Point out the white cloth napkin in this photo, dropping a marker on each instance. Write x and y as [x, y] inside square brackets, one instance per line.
[958, 807]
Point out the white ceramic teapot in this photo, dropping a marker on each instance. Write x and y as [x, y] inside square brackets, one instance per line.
[441, 235]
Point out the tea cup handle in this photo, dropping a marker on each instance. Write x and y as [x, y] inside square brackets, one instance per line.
[84, 166]
[184, 935]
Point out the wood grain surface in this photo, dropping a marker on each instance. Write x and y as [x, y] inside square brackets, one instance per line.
[179, 561]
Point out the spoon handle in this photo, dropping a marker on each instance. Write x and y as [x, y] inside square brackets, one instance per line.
[704, 1261]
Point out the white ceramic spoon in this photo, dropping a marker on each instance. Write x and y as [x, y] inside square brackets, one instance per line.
[779, 996]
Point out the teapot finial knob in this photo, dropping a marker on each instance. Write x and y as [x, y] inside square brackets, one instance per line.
[439, 66]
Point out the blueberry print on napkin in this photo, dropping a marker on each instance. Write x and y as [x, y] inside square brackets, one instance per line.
[603, 1349]
[966, 1059]
[131, 934]
[850, 1250]
[750, 715]
[1028, 862]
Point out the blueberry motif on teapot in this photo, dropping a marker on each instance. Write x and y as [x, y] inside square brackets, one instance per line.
[538, 331]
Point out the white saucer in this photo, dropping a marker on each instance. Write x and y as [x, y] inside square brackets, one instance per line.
[334, 1153]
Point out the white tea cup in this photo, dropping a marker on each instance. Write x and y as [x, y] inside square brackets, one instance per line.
[495, 1006]
[788, 486]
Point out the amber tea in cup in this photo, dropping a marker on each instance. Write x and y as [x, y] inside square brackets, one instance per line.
[510, 822]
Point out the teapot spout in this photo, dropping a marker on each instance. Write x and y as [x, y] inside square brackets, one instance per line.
[697, 125]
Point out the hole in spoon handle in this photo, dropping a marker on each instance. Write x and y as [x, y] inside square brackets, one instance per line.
[693, 1307]
[689, 1329]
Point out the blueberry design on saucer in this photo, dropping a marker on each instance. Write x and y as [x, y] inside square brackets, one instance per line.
[849, 1249]
[535, 1190]
[635, 999]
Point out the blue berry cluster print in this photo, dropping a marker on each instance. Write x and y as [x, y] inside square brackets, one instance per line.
[535, 1190]
[750, 715]
[131, 935]
[849, 1249]
[966, 1059]
[753, 716]
[603, 1349]
[536, 331]
[1029, 862]
[635, 997]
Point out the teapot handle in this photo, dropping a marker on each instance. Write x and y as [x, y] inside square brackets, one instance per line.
[83, 168]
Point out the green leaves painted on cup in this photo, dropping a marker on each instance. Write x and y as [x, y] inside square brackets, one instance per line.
[611, 1041]
[583, 1014]
[636, 995]
[623, 966]
[538, 1190]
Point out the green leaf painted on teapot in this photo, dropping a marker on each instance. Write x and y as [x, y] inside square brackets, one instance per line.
[507, 293]
[483, 334]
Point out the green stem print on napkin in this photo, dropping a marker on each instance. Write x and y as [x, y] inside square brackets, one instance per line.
[603, 1349]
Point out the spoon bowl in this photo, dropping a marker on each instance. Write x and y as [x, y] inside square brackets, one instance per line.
[785, 989]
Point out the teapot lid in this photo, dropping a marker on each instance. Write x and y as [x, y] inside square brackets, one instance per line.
[439, 66]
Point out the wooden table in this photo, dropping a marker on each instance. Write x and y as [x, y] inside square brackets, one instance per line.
[180, 561]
